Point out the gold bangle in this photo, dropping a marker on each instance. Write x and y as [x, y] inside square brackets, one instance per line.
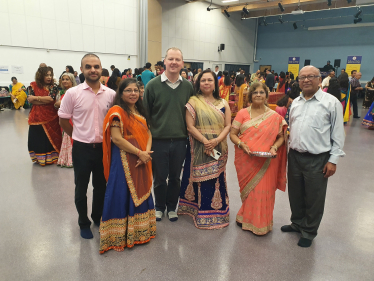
[38, 98]
[275, 147]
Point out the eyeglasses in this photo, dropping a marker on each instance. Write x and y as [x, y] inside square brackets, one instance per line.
[259, 93]
[130, 91]
[309, 77]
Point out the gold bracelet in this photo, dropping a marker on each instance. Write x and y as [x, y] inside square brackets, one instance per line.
[275, 147]
[239, 144]
[38, 98]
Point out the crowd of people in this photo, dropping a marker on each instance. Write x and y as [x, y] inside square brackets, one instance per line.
[168, 130]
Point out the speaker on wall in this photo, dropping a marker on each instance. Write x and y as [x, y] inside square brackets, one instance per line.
[222, 47]
[307, 62]
[337, 63]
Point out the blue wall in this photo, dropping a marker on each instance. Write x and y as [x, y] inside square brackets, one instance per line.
[277, 42]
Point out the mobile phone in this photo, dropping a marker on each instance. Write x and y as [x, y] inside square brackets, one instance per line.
[216, 154]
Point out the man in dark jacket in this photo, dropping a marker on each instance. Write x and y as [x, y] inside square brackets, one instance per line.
[270, 80]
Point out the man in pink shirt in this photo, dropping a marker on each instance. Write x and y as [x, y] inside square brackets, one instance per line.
[87, 104]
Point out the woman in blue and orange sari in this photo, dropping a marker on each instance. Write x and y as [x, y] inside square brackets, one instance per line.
[203, 194]
[129, 216]
[45, 136]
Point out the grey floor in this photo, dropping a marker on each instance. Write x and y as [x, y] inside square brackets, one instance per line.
[39, 235]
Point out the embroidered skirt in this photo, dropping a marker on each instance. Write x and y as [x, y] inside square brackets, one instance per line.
[65, 158]
[123, 224]
[206, 202]
[40, 148]
[368, 119]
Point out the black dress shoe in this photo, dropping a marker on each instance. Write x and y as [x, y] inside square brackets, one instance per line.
[288, 228]
[239, 224]
[305, 243]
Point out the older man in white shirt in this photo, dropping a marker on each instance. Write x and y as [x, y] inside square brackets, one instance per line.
[316, 143]
[326, 81]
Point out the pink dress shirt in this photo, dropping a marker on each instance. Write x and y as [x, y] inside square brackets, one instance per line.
[87, 110]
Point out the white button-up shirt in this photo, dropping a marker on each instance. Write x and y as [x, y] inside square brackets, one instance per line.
[317, 125]
[174, 85]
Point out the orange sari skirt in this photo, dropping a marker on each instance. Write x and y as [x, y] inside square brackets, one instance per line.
[258, 177]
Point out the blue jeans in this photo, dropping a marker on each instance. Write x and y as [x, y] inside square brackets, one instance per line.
[167, 160]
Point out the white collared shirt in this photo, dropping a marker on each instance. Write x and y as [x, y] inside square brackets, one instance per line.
[174, 85]
[317, 125]
[326, 82]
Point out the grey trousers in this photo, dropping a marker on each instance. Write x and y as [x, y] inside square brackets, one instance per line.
[307, 191]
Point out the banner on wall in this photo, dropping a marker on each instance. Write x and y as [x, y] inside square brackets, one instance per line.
[293, 65]
[353, 63]
[17, 69]
[4, 69]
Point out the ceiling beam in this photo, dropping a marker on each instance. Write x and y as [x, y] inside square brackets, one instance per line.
[285, 3]
[306, 7]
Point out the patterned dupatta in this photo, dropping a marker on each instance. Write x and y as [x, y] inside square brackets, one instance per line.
[133, 129]
[209, 121]
[224, 92]
[259, 134]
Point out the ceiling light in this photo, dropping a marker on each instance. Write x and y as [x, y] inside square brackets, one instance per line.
[245, 11]
[281, 19]
[228, 1]
[356, 20]
[294, 25]
[280, 7]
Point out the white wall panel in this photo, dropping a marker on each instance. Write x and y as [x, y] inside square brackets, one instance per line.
[110, 40]
[47, 9]
[109, 9]
[63, 35]
[6, 38]
[16, 7]
[130, 17]
[121, 42]
[32, 8]
[76, 37]
[98, 13]
[119, 17]
[99, 39]
[49, 34]
[61, 10]
[18, 30]
[87, 12]
[74, 11]
[34, 34]
[89, 38]
[4, 6]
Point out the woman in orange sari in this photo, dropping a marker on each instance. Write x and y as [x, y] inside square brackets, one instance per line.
[129, 216]
[225, 87]
[259, 129]
[45, 136]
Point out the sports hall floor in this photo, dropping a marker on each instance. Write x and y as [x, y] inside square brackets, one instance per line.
[39, 235]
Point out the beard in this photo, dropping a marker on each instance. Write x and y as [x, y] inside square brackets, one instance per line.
[93, 80]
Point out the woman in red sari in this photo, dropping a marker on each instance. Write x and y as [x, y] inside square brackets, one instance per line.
[258, 129]
[129, 216]
[45, 138]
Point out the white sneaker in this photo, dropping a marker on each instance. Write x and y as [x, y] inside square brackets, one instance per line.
[159, 215]
[172, 216]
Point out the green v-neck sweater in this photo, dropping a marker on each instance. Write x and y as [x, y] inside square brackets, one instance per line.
[166, 108]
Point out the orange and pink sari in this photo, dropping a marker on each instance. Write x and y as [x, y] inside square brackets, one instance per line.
[258, 177]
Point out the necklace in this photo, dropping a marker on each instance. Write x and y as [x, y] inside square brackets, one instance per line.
[262, 119]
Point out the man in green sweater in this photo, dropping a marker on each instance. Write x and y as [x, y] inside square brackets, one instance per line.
[165, 98]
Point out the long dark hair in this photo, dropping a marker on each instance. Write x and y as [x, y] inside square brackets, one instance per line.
[216, 89]
[240, 79]
[293, 94]
[41, 73]
[71, 69]
[226, 80]
[119, 101]
[334, 88]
